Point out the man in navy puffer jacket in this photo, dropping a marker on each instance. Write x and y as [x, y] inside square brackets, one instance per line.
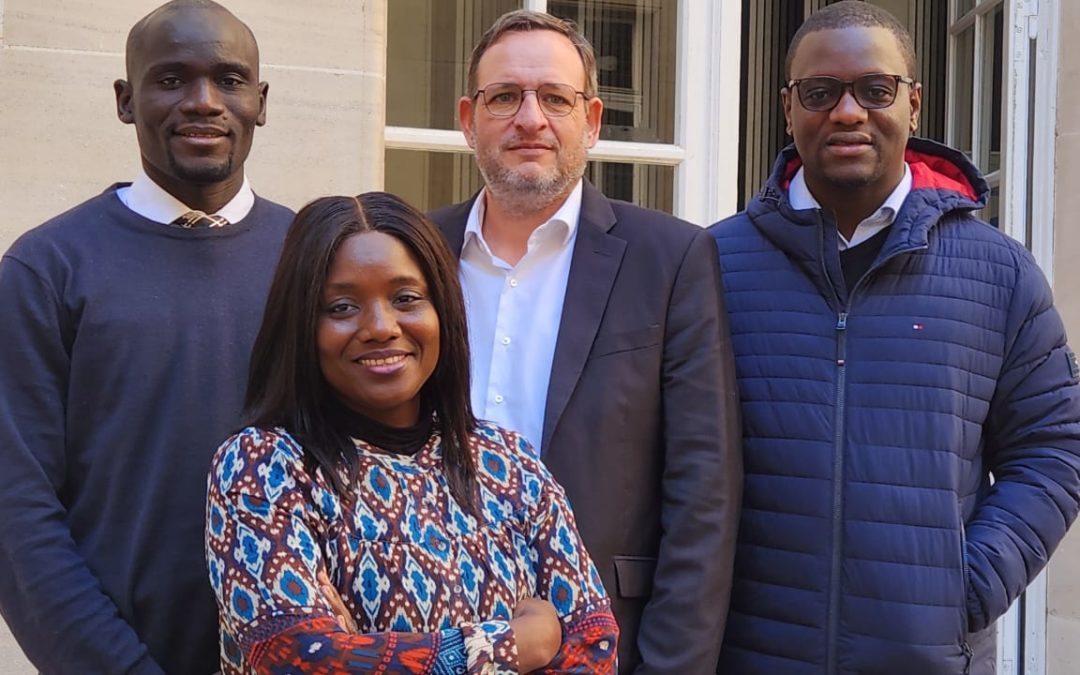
[911, 412]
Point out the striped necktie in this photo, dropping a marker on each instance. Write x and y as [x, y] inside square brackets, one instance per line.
[199, 219]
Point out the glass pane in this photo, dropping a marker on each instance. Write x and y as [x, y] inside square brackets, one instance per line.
[646, 185]
[635, 46]
[429, 180]
[963, 7]
[427, 56]
[993, 66]
[962, 85]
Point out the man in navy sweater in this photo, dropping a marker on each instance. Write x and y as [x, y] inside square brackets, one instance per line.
[127, 323]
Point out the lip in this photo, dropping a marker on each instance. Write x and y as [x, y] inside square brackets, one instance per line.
[530, 147]
[849, 144]
[200, 135]
[383, 361]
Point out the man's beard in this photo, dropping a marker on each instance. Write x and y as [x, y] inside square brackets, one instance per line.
[525, 194]
[202, 174]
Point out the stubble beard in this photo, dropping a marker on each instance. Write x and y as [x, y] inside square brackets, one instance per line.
[520, 195]
[202, 174]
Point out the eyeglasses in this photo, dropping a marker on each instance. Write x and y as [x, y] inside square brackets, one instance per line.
[503, 99]
[872, 92]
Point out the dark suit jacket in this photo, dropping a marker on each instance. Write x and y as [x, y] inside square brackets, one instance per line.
[641, 426]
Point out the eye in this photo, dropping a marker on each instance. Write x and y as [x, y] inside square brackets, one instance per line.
[408, 298]
[232, 81]
[170, 81]
[879, 92]
[340, 309]
[556, 100]
[504, 97]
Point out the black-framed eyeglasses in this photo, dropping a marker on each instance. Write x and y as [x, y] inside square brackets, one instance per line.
[872, 92]
[503, 99]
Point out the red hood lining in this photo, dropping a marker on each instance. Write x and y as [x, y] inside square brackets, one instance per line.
[927, 172]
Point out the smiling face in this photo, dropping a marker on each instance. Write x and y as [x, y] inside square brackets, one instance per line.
[378, 333]
[194, 97]
[850, 148]
[531, 154]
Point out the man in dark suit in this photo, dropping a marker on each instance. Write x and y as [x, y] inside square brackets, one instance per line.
[597, 329]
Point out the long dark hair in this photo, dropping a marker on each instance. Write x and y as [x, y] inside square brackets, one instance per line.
[285, 384]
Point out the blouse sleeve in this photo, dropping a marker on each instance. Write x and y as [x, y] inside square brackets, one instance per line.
[566, 576]
[262, 534]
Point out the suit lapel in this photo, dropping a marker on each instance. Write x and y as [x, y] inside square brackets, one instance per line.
[593, 268]
[452, 221]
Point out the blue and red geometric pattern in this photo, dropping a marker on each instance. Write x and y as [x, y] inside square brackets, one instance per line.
[431, 587]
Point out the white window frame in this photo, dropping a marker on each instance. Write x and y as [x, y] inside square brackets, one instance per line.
[1025, 103]
[706, 115]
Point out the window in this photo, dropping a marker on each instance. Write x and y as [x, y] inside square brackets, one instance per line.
[666, 141]
[1001, 103]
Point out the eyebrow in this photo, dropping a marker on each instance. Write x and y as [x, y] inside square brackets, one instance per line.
[401, 280]
[226, 67]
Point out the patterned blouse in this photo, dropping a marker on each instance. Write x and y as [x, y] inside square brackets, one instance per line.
[432, 588]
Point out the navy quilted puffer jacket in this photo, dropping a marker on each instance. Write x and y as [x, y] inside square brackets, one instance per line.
[873, 538]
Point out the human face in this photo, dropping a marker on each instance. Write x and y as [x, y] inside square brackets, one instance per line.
[531, 155]
[850, 148]
[195, 100]
[378, 333]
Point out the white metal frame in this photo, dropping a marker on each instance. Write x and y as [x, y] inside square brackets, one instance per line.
[1026, 104]
[706, 115]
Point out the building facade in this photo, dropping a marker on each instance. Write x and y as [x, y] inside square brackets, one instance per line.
[363, 96]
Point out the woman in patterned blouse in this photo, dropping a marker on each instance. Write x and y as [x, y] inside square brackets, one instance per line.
[364, 520]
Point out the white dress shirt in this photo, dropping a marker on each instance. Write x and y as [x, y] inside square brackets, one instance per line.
[514, 313]
[151, 201]
[800, 199]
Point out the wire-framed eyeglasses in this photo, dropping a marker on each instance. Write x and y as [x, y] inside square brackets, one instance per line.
[872, 92]
[503, 99]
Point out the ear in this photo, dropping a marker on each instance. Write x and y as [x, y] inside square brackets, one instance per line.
[466, 108]
[264, 90]
[915, 101]
[594, 111]
[124, 108]
[785, 96]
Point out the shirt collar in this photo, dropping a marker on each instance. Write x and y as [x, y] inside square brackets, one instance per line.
[801, 199]
[153, 202]
[563, 223]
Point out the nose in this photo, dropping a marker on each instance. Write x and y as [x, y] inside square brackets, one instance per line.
[847, 109]
[379, 324]
[203, 98]
[530, 116]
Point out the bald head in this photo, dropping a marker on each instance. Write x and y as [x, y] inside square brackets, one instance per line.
[147, 26]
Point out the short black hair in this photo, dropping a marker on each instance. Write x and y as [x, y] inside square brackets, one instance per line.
[854, 13]
[286, 387]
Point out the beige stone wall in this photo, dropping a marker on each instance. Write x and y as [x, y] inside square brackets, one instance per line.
[60, 140]
[1063, 595]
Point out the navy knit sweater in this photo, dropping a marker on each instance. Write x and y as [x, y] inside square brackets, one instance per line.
[124, 358]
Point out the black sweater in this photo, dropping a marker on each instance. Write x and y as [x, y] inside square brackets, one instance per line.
[124, 347]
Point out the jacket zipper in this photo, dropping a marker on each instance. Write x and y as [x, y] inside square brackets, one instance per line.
[832, 627]
[838, 491]
[964, 646]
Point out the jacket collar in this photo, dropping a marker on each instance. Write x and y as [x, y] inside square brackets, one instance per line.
[943, 181]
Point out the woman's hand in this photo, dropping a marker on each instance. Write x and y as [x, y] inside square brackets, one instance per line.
[537, 632]
[331, 595]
